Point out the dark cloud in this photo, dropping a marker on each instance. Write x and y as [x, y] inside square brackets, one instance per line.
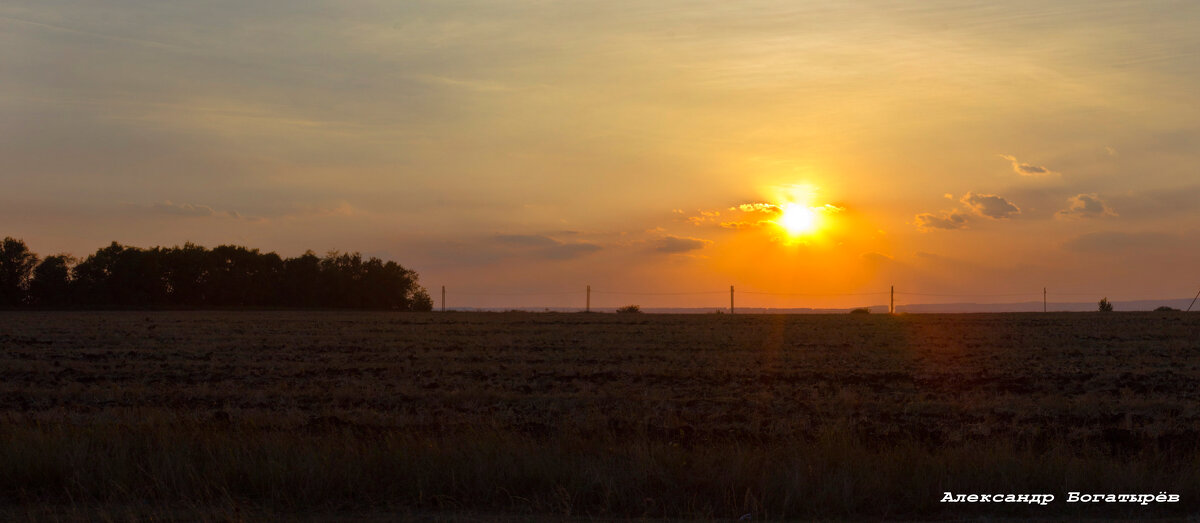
[986, 205]
[946, 220]
[1086, 206]
[1121, 241]
[1027, 169]
[675, 244]
[990, 205]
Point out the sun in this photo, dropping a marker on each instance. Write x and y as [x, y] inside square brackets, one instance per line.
[797, 219]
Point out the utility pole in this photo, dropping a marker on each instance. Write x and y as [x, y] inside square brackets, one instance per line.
[892, 304]
[443, 298]
[588, 307]
[1193, 302]
[1043, 299]
[731, 299]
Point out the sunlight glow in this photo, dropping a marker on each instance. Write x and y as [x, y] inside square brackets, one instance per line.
[798, 219]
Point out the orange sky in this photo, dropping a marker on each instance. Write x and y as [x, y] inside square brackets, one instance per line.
[979, 148]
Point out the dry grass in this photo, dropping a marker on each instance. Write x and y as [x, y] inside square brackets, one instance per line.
[232, 415]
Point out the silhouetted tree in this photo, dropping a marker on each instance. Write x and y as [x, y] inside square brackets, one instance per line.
[122, 277]
[16, 266]
[185, 274]
[341, 280]
[1105, 305]
[51, 284]
[192, 276]
[241, 277]
[420, 300]
[301, 278]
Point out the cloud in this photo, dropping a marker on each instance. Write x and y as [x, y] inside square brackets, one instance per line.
[768, 208]
[568, 251]
[182, 209]
[949, 220]
[1027, 169]
[168, 207]
[751, 215]
[986, 205]
[875, 257]
[990, 205]
[544, 247]
[703, 217]
[475, 251]
[746, 224]
[527, 240]
[1120, 241]
[1086, 206]
[742, 216]
[676, 244]
[1157, 203]
[338, 208]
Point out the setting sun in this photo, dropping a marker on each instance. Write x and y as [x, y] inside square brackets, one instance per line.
[798, 219]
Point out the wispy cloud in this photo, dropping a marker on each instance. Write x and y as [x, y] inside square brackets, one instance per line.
[768, 208]
[876, 257]
[745, 224]
[1027, 169]
[949, 220]
[1114, 241]
[704, 217]
[752, 215]
[182, 209]
[544, 247]
[671, 244]
[168, 207]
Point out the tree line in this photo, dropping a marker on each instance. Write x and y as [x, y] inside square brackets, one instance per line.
[192, 276]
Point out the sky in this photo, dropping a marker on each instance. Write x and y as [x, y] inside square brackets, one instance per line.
[518, 151]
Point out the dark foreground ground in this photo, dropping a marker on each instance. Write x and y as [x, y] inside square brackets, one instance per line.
[473, 416]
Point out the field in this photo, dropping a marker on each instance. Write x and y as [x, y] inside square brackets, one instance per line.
[232, 415]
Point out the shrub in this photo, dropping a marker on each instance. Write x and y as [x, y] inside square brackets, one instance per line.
[1105, 305]
[1165, 308]
[629, 309]
[861, 310]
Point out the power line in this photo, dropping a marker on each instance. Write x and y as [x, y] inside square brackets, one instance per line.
[969, 295]
[658, 293]
[547, 293]
[808, 294]
[588, 290]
